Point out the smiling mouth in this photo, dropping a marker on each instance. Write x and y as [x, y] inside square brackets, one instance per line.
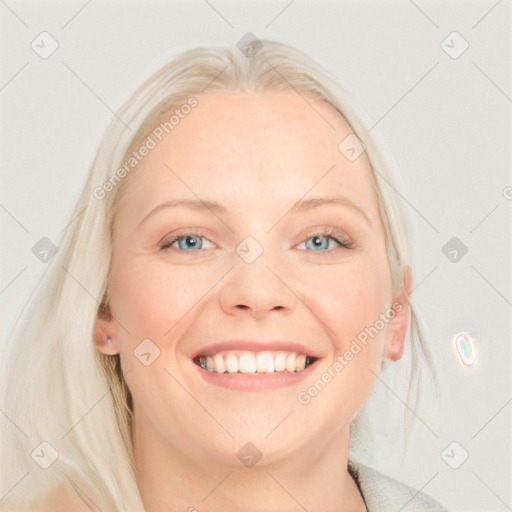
[254, 362]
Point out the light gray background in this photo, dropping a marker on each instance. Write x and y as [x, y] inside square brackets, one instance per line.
[446, 122]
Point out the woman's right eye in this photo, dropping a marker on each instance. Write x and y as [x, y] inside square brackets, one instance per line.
[185, 242]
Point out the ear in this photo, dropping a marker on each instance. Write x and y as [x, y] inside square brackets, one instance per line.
[397, 326]
[105, 332]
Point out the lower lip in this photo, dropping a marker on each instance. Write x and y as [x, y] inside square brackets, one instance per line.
[255, 381]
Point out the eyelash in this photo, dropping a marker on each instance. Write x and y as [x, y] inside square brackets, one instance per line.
[322, 232]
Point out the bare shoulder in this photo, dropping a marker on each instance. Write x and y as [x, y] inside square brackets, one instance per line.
[62, 499]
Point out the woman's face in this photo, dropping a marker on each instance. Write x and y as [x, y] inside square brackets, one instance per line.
[252, 280]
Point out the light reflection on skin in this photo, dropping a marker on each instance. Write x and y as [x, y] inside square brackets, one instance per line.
[256, 156]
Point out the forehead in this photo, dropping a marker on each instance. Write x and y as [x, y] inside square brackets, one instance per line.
[243, 148]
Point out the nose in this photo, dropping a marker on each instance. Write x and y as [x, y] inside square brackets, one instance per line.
[255, 289]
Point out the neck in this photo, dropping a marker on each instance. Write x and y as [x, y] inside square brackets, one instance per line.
[177, 478]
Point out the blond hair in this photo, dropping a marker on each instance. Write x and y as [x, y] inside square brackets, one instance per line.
[56, 386]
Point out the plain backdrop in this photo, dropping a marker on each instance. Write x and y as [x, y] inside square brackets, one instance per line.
[444, 111]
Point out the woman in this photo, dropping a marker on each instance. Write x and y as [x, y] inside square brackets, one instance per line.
[219, 311]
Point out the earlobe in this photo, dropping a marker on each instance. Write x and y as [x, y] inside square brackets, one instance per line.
[398, 325]
[105, 338]
[106, 345]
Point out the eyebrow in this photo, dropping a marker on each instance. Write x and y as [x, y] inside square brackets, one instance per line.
[307, 204]
[299, 206]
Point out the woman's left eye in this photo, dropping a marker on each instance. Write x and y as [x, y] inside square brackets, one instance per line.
[321, 241]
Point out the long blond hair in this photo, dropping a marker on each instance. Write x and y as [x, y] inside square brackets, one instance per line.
[56, 386]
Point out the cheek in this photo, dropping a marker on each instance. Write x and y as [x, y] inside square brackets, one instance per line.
[354, 301]
[149, 298]
[350, 304]
[151, 301]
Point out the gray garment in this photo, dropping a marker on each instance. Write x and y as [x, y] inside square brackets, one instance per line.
[382, 493]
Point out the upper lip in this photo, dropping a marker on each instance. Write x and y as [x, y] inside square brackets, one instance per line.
[255, 346]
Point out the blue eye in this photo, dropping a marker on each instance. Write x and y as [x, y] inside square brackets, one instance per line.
[322, 241]
[188, 241]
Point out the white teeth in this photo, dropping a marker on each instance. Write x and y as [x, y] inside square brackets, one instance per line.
[247, 363]
[290, 363]
[264, 363]
[231, 363]
[219, 364]
[280, 362]
[254, 362]
[300, 363]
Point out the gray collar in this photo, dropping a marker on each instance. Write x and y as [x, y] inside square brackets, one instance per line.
[382, 493]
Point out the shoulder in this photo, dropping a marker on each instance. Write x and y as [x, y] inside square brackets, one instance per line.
[383, 493]
[62, 499]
